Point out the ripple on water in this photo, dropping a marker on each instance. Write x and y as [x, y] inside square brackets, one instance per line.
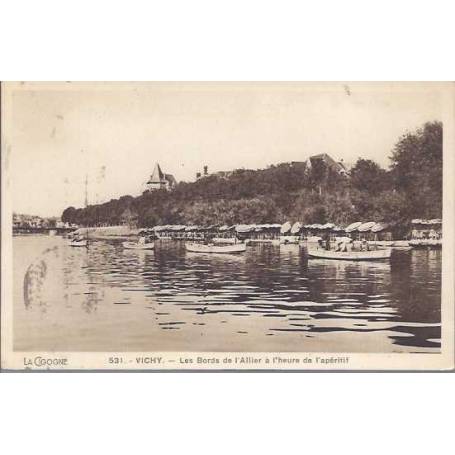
[267, 292]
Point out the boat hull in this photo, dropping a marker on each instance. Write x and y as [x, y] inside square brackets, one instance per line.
[137, 246]
[79, 243]
[351, 255]
[199, 248]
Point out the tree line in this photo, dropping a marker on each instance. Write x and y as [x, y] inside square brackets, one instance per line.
[410, 188]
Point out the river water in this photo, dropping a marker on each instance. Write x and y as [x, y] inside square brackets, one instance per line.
[270, 298]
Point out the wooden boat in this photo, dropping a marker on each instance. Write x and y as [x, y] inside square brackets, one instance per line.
[138, 246]
[201, 248]
[80, 243]
[351, 255]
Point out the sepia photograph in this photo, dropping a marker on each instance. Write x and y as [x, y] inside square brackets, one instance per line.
[226, 225]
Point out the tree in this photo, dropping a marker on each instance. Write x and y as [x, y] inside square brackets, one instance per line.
[412, 188]
[69, 215]
[417, 170]
[366, 175]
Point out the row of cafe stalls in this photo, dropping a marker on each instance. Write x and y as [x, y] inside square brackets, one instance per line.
[314, 232]
[258, 233]
[297, 232]
[426, 232]
[265, 233]
[254, 233]
[180, 232]
[288, 233]
[370, 231]
[375, 233]
[225, 234]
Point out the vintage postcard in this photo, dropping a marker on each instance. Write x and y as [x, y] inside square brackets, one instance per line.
[227, 226]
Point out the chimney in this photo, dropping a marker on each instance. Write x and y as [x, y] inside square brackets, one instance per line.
[198, 175]
[206, 170]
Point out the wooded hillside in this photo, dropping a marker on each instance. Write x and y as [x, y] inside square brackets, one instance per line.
[410, 188]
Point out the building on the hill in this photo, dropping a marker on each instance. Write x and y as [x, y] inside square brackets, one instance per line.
[220, 174]
[337, 166]
[161, 181]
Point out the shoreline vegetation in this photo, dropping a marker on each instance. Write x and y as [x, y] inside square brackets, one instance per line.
[309, 192]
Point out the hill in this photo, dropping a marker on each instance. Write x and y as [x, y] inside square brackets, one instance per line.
[410, 188]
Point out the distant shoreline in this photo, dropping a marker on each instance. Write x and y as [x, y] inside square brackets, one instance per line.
[108, 232]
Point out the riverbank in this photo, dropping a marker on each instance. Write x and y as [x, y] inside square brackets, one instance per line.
[107, 232]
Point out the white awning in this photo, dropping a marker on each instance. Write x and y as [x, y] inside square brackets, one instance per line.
[352, 227]
[365, 227]
[296, 227]
[286, 227]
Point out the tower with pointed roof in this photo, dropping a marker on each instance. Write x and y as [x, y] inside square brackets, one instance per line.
[160, 181]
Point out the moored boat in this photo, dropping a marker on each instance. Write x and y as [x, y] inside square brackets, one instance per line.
[351, 255]
[80, 243]
[201, 248]
[138, 246]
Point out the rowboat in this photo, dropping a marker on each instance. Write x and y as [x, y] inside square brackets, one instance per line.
[351, 255]
[138, 246]
[83, 242]
[201, 248]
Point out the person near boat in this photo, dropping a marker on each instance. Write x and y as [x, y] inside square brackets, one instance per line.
[364, 246]
[343, 244]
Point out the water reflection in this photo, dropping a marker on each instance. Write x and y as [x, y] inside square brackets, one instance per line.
[270, 298]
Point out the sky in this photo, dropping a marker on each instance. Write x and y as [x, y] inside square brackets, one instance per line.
[59, 133]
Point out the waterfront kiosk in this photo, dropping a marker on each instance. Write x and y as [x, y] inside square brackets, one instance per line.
[427, 233]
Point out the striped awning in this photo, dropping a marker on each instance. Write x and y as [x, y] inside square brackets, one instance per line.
[378, 227]
[352, 227]
[286, 227]
[365, 227]
[296, 227]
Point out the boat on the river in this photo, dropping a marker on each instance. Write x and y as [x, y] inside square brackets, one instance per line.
[138, 246]
[211, 248]
[351, 255]
[79, 242]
